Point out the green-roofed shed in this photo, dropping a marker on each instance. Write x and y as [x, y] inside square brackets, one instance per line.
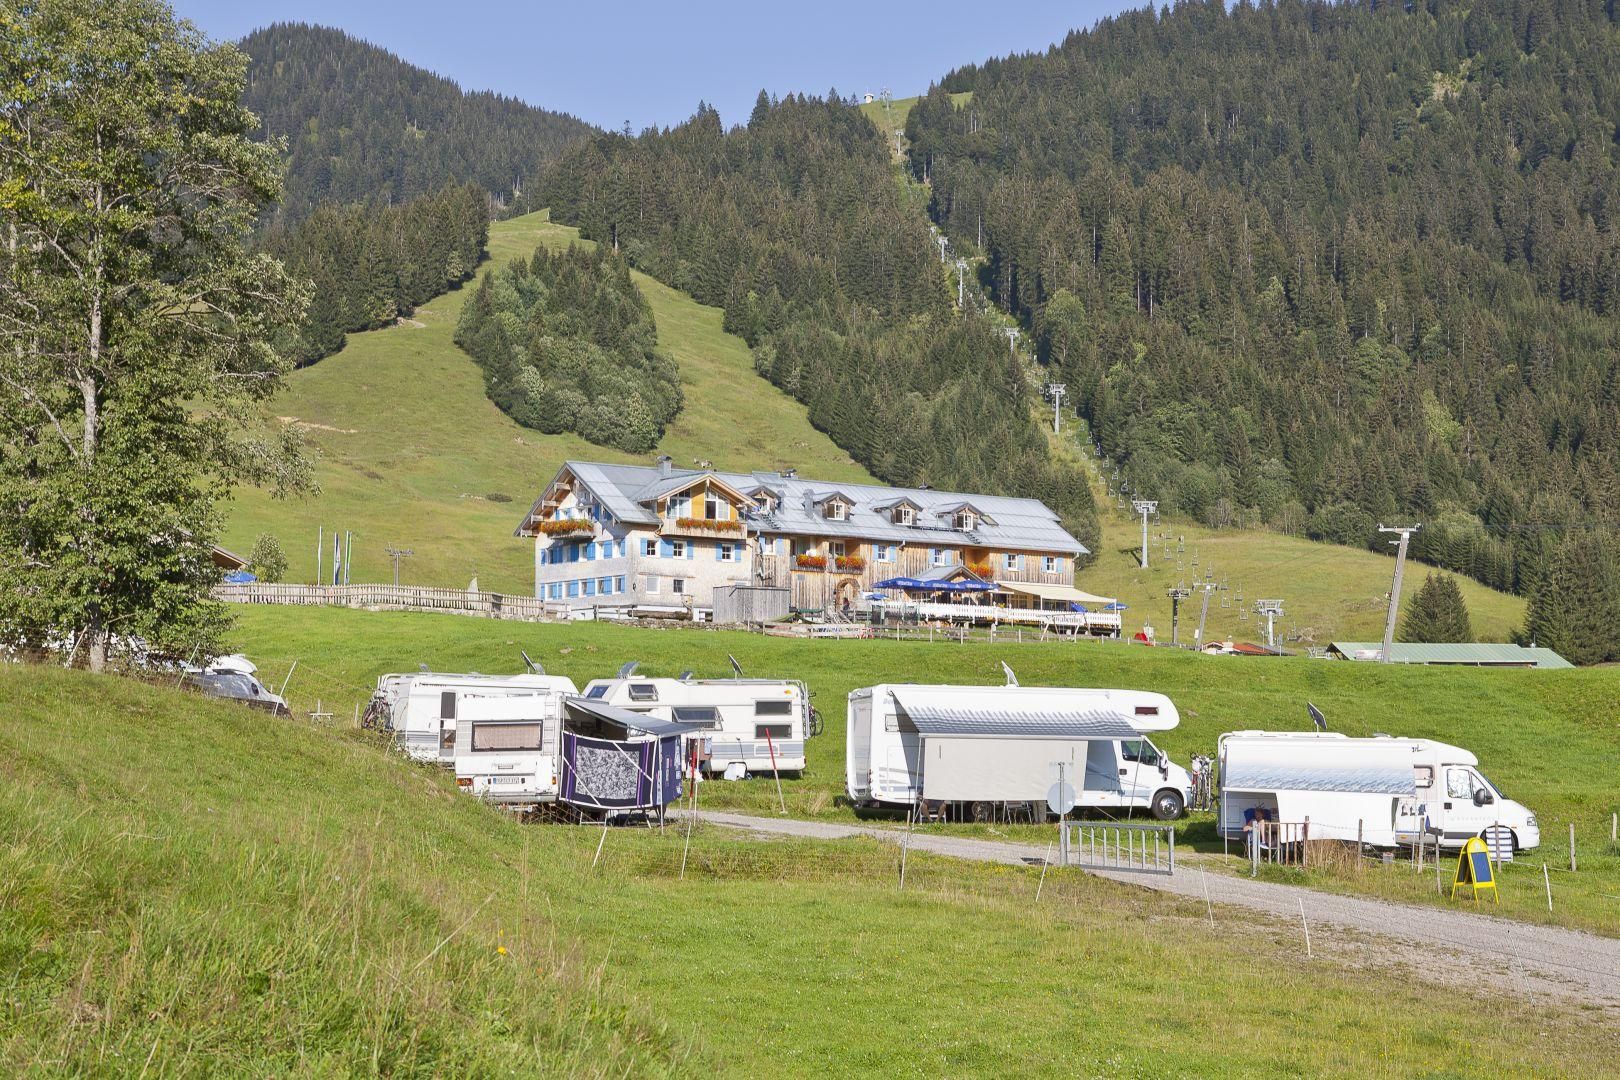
[1464, 654]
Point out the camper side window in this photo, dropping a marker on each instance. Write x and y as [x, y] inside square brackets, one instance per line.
[706, 715]
[492, 737]
[898, 721]
[1139, 750]
[643, 692]
[1423, 776]
[597, 692]
[784, 707]
[775, 731]
[1459, 784]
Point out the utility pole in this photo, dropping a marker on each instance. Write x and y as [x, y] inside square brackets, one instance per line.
[961, 284]
[1203, 612]
[398, 554]
[1272, 610]
[1405, 532]
[1178, 593]
[1012, 337]
[943, 243]
[1144, 507]
[1055, 391]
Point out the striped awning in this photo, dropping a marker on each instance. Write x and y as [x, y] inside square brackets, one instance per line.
[930, 718]
[1395, 780]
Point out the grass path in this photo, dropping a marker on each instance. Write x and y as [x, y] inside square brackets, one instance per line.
[414, 455]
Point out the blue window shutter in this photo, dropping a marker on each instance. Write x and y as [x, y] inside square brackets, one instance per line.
[665, 549]
[590, 552]
[621, 549]
[691, 550]
[719, 553]
[573, 589]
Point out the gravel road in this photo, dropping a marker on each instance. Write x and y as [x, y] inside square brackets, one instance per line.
[1568, 964]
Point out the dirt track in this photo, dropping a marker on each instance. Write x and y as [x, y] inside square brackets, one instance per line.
[1568, 964]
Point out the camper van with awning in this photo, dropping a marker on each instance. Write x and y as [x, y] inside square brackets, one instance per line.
[1385, 791]
[984, 747]
[745, 725]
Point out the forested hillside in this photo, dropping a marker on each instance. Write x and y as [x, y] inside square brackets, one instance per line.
[370, 265]
[1316, 265]
[363, 126]
[795, 225]
[568, 343]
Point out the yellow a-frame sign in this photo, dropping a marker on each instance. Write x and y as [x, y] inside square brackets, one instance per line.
[1474, 870]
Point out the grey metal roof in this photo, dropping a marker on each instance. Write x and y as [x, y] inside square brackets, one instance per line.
[1394, 780]
[1016, 723]
[1477, 653]
[1018, 524]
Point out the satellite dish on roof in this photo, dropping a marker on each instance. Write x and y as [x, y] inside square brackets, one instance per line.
[629, 669]
[534, 667]
[1316, 716]
[1060, 797]
[683, 676]
[1012, 680]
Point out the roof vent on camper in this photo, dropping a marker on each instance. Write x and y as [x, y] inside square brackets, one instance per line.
[664, 463]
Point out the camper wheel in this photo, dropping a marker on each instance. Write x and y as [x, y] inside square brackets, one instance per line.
[1168, 804]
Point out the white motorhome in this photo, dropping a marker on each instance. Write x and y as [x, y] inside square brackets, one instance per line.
[506, 747]
[757, 724]
[1389, 791]
[420, 707]
[986, 745]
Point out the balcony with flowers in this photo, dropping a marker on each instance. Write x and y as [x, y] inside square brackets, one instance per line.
[560, 527]
[696, 526]
[810, 562]
[852, 564]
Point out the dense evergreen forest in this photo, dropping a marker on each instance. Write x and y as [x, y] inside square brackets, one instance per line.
[370, 265]
[568, 343]
[795, 225]
[363, 126]
[1314, 265]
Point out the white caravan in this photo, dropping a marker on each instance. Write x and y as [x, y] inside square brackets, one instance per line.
[745, 721]
[986, 745]
[506, 747]
[1386, 790]
[420, 707]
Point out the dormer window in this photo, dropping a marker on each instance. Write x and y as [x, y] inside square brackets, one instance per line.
[767, 502]
[966, 520]
[837, 511]
[905, 515]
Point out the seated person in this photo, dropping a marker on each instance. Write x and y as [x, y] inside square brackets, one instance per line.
[1254, 820]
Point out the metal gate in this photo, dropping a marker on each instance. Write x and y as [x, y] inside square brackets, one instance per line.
[1144, 849]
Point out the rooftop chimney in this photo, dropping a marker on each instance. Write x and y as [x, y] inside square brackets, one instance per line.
[664, 463]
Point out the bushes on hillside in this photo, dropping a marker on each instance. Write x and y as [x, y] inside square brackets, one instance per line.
[567, 343]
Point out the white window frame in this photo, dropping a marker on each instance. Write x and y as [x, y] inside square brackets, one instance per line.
[883, 553]
[677, 586]
[677, 549]
[1049, 564]
[905, 515]
[728, 552]
[1011, 560]
[837, 549]
[649, 547]
[652, 585]
[837, 511]
[940, 557]
[713, 507]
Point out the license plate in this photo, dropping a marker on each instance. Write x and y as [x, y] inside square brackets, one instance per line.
[507, 779]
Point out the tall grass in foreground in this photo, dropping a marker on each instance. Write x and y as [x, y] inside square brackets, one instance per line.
[183, 890]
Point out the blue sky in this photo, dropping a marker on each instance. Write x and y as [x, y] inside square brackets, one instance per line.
[652, 63]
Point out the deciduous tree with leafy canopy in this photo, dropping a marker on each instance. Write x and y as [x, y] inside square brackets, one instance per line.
[137, 331]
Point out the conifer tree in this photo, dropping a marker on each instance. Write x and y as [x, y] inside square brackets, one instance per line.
[1437, 613]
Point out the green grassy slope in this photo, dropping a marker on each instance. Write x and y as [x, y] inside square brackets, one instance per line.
[1550, 738]
[187, 887]
[891, 116]
[412, 449]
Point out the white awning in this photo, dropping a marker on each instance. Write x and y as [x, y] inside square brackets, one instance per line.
[1063, 593]
[1012, 722]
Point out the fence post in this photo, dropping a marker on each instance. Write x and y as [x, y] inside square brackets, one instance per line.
[1172, 851]
[1305, 846]
[905, 847]
[1359, 833]
[1572, 847]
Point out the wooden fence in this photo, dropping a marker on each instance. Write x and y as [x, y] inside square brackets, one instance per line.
[390, 598]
